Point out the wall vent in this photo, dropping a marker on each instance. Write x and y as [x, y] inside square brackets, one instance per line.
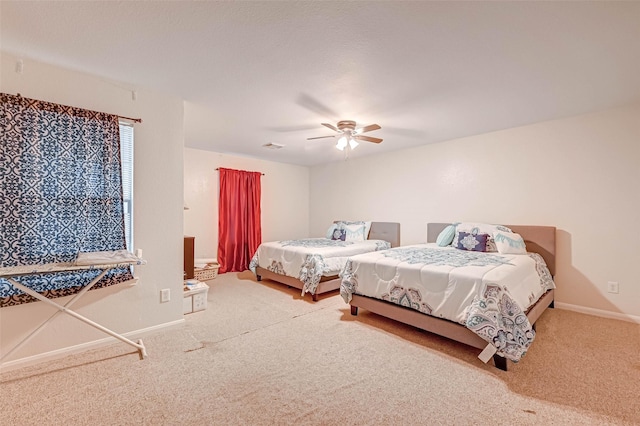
[271, 145]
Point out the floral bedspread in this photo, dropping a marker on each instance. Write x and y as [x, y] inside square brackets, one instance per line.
[310, 259]
[488, 293]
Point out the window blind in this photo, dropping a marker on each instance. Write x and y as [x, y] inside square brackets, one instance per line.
[126, 154]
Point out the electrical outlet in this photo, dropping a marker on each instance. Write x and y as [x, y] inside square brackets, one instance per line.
[612, 287]
[165, 295]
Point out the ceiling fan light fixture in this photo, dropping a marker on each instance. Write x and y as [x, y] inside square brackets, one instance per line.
[342, 143]
[348, 135]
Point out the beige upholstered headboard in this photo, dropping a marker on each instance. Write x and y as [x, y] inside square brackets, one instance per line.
[388, 231]
[538, 239]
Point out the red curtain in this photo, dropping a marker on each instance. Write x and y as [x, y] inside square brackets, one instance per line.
[239, 230]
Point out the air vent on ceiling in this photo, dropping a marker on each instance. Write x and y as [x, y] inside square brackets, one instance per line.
[271, 145]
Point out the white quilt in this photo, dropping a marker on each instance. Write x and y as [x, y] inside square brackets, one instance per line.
[483, 291]
[310, 259]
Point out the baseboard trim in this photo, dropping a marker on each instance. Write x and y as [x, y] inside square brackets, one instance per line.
[598, 312]
[60, 353]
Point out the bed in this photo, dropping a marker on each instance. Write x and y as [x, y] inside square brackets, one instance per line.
[312, 265]
[492, 303]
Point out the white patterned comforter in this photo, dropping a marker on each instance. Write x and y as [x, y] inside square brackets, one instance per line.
[487, 292]
[310, 259]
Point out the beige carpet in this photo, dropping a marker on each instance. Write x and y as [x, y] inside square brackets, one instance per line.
[261, 354]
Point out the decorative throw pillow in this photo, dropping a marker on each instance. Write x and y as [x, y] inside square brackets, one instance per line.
[367, 229]
[480, 228]
[509, 243]
[446, 236]
[339, 234]
[472, 242]
[356, 230]
[329, 233]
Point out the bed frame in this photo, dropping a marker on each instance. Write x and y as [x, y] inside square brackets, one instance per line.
[538, 239]
[388, 231]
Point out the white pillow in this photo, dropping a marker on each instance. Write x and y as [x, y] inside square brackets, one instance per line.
[355, 230]
[367, 229]
[509, 243]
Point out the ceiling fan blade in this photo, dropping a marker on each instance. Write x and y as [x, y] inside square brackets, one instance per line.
[369, 128]
[367, 139]
[286, 129]
[312, 104]
[410, 133]
[331, 126]
[321, 137]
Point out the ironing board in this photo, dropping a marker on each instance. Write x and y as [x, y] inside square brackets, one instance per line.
[102, 260]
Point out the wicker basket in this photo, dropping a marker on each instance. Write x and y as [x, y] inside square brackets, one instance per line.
[209, 272]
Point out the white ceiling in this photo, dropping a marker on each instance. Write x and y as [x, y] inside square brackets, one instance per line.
[270, 72]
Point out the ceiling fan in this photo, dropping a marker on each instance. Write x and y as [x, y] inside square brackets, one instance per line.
[349, 135]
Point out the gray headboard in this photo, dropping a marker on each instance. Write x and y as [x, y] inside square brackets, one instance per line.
[388, 231]
[538, 239]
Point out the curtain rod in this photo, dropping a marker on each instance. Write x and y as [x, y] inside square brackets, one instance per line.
[135, 120]
[219, 169]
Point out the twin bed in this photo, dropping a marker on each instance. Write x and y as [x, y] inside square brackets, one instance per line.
[488, 300]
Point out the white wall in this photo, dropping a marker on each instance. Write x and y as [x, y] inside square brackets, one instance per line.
[158, 192]
[285, 198]
[579, 174]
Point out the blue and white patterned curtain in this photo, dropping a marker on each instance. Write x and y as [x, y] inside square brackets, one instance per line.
[60, 193]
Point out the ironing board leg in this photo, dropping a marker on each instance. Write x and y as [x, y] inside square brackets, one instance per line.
[140, 346]
[67, 305]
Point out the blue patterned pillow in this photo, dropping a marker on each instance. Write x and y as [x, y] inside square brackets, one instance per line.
[339, 234]
[472, 242]
[329, 234]
[446, 236]
[476, 228]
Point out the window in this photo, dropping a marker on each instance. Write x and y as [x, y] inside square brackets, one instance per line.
[59, 193]
[126, 155]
